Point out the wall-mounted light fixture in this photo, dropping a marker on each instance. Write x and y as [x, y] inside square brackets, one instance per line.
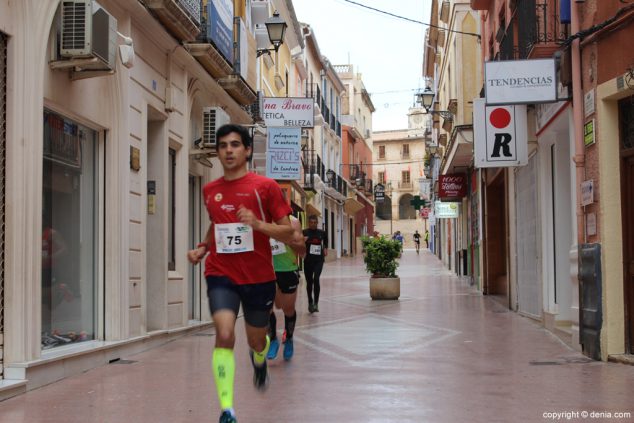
[276, 28]
[426, 100]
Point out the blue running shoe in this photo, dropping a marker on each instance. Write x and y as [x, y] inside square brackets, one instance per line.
[227, 417]
[288, 349]
[273, 349]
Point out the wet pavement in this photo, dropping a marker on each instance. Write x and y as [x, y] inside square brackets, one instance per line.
[441, 353]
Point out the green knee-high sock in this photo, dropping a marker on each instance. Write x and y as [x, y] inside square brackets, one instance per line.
[224, 366]
[259, 357]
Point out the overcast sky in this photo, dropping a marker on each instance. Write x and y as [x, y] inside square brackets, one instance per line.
[387, 51]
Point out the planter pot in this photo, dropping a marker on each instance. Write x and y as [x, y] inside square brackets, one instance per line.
[385, 288]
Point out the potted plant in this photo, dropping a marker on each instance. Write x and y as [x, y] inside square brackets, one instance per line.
[380, 260]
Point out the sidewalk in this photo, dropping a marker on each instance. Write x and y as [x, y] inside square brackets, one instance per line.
[442, 353]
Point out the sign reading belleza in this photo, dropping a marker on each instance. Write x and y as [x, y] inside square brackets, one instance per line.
[520, 81]
[288, 112]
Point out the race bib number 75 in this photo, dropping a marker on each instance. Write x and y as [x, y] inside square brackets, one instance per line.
[233, 238]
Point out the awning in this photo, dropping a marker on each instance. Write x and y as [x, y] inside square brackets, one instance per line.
[352, 206]
[310, 210]
[459, 150]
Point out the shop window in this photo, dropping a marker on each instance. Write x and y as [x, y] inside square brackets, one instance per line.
[69, 231]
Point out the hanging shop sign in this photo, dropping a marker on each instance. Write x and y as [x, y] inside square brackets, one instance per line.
[220, 26]
[379, 193]
[283, 153]
[452, 186]
[446, 210]
[500, 135]
[424, 186]
[288, 111]
[520, 81]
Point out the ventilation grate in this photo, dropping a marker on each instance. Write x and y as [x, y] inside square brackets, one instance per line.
[74, 24]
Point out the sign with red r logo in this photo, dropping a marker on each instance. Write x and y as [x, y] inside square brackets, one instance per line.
[500, 135]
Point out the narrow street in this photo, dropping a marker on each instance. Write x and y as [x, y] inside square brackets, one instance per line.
[442, 353]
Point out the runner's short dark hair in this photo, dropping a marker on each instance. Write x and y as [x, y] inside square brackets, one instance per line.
[245, 136]
[312, 217]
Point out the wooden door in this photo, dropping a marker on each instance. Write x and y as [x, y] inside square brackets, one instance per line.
[626, 116]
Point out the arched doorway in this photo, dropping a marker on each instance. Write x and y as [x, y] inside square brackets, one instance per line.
[405, 208]
[384, 209]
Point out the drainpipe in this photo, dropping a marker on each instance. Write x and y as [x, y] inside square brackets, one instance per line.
[577, 106]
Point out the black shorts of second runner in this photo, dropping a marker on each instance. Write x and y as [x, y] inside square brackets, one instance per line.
[257, 299]
[287, 281]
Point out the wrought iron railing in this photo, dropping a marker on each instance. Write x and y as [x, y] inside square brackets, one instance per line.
[312, 166]
[507, 45]
[538, 24]
[193, 9]
[369, 187]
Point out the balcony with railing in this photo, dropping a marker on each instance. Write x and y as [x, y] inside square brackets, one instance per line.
[336, 184]
[369, 187]
[540, 31]
[313, 91]
[313, 168]
[182, 18]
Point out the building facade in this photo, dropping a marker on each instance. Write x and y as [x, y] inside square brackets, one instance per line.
[357, 109]
[105, 149]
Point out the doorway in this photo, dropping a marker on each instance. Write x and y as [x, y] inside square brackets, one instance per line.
[496, 232]
[626, 118]
[194, 235]
[156, 251]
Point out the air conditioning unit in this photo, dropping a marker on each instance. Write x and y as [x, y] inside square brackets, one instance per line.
[88, 37]
[261, 36]
[259, 11]
[213, 118]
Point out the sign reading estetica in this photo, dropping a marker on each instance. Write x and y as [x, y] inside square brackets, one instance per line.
[520, 81]
[288, 112]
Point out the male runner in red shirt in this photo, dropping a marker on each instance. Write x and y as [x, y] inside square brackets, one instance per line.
[246, 210]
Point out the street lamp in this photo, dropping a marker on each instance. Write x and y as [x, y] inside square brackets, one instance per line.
[276, 28]
[389, 192]
[426, 100]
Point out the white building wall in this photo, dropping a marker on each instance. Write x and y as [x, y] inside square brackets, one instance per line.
[120, 107]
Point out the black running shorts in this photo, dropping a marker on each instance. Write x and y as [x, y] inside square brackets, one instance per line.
[287, 281]
[257, 299]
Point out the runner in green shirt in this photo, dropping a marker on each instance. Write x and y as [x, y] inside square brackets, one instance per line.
[287, 274]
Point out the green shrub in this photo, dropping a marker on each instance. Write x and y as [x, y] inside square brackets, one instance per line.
[380, 256]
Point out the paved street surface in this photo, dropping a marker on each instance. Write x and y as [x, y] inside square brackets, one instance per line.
[442, 353]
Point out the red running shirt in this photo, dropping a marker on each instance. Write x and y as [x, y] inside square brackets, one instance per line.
[222, 199]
